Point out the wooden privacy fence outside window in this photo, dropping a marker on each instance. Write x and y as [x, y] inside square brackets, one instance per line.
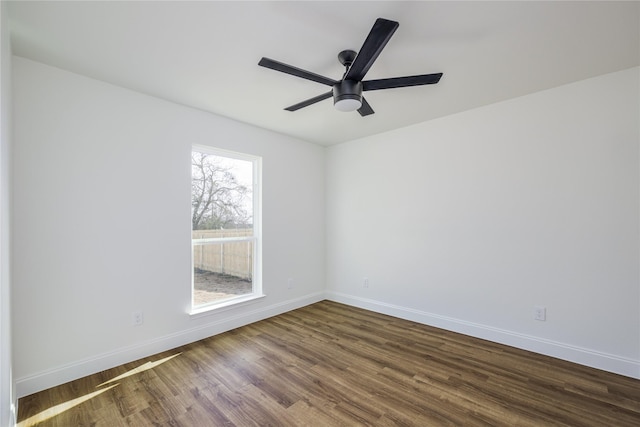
[224, 251]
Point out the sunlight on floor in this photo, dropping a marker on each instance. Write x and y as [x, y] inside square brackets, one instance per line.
[58, 409]
[62, 407]
[141, 368]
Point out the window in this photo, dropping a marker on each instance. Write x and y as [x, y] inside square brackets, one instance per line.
[225, 228]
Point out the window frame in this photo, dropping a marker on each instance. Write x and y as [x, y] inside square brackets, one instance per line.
[256, 237]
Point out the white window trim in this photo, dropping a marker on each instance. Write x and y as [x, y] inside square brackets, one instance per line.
[257, 294]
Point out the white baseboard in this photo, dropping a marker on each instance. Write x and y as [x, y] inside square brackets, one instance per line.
[582, 356]
[81, 368]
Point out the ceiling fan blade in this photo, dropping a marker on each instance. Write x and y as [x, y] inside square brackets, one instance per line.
[424, 79]
[294, 71]
[310, 101]
[377, 39]
[365, 109]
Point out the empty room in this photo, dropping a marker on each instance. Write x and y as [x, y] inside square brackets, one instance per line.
[319, 213]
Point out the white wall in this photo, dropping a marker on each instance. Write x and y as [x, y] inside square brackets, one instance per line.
[469, 221]
[102, 224]
[7, 387]
[464, 222]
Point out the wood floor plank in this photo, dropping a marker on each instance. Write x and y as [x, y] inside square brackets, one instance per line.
[329, 364]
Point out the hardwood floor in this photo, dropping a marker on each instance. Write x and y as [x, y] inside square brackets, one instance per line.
[333, 365]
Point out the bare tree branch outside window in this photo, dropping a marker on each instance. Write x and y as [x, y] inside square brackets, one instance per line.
[218, 197]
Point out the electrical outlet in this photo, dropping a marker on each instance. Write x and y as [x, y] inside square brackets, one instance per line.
[540, 313]
[137, 318]
[290, 283]
[365, 282]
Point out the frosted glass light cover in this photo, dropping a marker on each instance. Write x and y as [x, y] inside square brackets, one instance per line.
[348, 104]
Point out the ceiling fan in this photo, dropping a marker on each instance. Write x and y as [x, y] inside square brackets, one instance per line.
[347, 92]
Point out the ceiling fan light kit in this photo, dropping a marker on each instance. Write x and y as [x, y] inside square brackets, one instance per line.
[347, 92]
[347, 95]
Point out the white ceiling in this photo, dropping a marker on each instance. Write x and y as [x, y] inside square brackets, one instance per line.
[204, 54]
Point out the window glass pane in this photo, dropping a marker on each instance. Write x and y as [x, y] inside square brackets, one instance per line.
[221, 271]
[221, 192]
[223, 235]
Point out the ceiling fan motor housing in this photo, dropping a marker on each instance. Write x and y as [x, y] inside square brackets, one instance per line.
[347, 90]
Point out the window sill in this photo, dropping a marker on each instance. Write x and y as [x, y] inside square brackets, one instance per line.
[224, 305]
